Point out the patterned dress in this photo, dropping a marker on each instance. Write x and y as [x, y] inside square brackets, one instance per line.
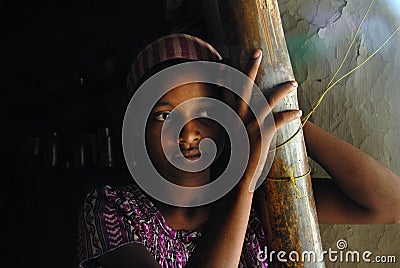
[113, 217]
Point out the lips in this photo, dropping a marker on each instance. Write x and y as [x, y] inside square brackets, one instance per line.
[190, 154]
[193, 157]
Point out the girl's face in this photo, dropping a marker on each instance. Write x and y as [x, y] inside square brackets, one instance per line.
[190, 135]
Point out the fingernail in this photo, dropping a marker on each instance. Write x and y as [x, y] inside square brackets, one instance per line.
[256, 54]
[300, 112]
[294, 84]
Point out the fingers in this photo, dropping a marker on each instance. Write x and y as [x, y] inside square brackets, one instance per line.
[276, 95]
[282, 118]
[253, 64]
[251, 71]
[280, 92]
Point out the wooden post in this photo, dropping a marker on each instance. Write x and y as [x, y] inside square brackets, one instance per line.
[290, 220]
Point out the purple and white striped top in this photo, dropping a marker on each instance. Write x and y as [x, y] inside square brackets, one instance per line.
[116, 216]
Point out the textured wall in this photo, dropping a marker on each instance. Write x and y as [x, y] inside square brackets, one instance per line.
[363, 109]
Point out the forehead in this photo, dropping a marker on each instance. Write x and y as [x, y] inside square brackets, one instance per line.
[189, 91]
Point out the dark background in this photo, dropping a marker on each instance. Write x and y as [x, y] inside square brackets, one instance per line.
[65, 65]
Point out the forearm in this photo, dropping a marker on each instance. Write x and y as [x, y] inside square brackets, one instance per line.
[222, 243]
[359, 176]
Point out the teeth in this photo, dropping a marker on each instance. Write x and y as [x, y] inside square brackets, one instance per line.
[197, 155]
[193, 156]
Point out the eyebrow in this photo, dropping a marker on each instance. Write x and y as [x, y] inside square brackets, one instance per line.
[164, 103]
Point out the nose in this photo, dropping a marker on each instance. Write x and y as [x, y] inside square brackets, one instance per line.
[190, 135]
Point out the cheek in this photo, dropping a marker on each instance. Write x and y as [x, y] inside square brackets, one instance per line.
[218, 135]
[152, 140]
[153, 143]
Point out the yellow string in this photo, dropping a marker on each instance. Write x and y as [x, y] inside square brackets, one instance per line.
[305, 119]
[292, 179]
[351, 43]
[331, 84]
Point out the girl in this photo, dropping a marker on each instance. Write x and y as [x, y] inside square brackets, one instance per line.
[125, 227]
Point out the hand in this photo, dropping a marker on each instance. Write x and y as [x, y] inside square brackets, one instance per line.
[259, 146]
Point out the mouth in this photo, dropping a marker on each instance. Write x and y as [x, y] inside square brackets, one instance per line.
[191, 155]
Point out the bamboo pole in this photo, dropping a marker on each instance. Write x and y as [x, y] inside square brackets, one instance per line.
[291, 222]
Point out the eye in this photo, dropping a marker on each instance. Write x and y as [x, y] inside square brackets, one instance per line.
[162, 116]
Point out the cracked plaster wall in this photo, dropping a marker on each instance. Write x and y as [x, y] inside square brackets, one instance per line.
[363, 109]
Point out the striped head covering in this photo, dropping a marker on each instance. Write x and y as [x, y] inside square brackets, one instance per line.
[173, 46]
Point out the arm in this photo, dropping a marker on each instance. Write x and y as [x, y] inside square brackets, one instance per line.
[361, 190]
[222, 242]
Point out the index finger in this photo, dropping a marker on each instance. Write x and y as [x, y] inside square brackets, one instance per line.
[254, 64]
[251, 71]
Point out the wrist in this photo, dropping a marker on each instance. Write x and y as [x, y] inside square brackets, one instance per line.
[245, 187]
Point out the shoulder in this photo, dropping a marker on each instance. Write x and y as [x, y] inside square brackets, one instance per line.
[111, 217]
[125, 201]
